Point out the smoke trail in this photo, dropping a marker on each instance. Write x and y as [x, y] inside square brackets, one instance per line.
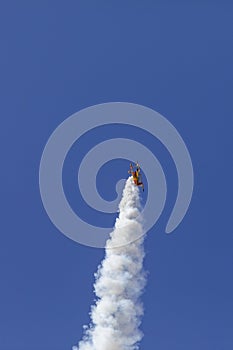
[120, 279]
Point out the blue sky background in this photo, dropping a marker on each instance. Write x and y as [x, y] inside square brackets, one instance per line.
[58, 57]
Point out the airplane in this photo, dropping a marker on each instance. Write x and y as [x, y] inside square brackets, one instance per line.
[137, 177]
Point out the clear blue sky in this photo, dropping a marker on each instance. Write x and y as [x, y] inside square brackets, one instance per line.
[58, 57]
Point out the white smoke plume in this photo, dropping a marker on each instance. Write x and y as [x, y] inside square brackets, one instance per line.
[120, 280]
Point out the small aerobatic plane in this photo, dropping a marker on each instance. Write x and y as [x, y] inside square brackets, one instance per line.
[137, 176]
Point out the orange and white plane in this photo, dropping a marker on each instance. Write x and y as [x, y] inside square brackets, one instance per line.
[135, 171]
